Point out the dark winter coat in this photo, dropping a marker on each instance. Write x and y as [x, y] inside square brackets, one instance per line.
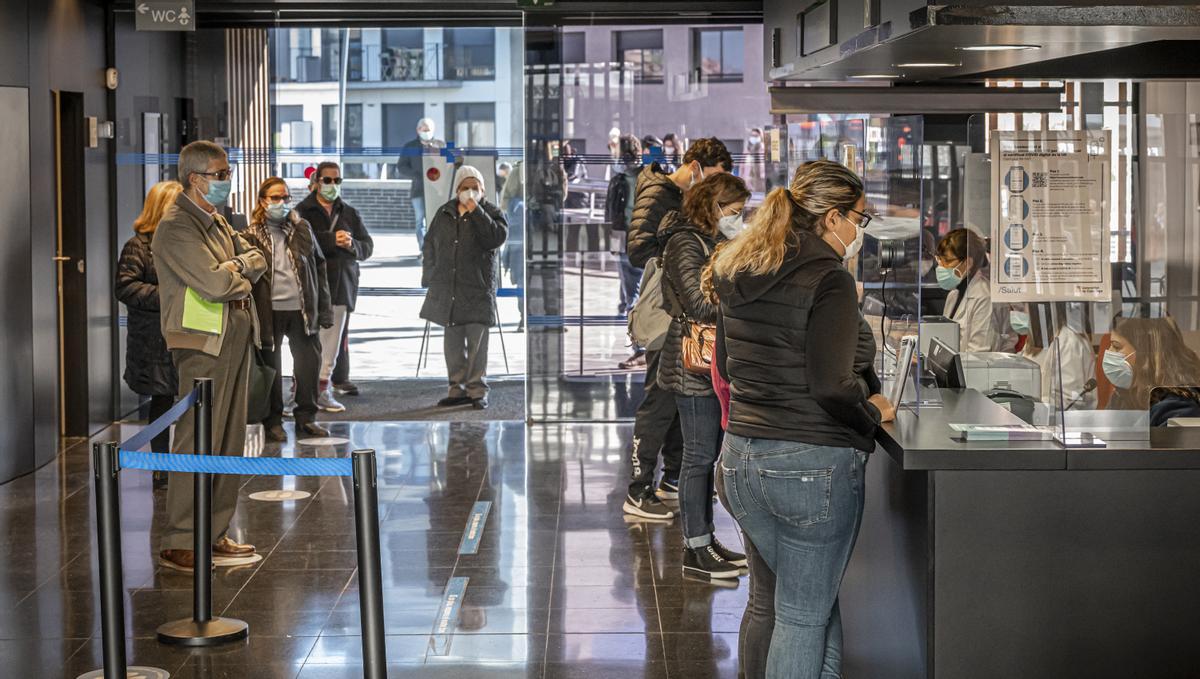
[412, 163]
[459, 265]
[148, 367]
[656, 196]
[341, 264]
[309, 264]
[790, 344]
[686, 249]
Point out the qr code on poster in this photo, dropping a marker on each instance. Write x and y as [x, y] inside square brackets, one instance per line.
[1039, 180]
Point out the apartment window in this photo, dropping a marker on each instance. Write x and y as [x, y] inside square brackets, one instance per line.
[641, 52]
[574, 48]
[471, 125]
[331, 54]
[354, 126]
[718, 54]
[400, 124]
[470, 53]
[402, 56]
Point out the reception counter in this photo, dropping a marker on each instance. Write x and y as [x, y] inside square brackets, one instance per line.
[1024, 559]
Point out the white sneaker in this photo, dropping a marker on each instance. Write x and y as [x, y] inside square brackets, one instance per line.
[326, 402]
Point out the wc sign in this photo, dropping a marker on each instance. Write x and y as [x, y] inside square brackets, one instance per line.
[165, 15]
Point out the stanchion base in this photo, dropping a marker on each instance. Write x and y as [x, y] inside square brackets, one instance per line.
[131, 673]
[188, 632]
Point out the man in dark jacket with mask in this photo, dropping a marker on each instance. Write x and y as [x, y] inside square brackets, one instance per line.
[345, 242]
[656, 426]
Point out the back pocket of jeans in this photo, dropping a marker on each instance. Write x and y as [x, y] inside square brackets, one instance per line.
[729, 495]
[800, 498]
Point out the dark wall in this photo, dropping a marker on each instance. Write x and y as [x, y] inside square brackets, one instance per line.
[47, 46]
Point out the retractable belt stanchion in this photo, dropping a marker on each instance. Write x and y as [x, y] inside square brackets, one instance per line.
[108, 526]
[370, 580]
[202, 629]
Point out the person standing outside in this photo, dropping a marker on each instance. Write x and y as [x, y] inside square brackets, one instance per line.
[292, 300]
[412, 167]
[460, 271]
[148, 367]
[656, 425]
[199, 255]
[618, 211]
[345, 242]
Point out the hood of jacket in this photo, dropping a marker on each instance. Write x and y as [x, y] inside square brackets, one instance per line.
[674, 222]
[803, 249]
[654, 175]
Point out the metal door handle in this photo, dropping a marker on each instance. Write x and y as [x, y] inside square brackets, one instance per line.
[61, 259]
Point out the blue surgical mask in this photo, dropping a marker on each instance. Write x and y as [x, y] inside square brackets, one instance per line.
[948, 278]
[277, 212]
[218, 192]
[1019, 320]
[1117, 369]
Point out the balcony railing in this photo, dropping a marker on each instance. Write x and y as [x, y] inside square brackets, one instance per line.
[434, 62]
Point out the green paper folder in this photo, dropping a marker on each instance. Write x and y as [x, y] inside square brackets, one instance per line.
[201, 315]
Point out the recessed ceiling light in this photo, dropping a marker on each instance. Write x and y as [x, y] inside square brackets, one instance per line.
[927, 64]
[878, 76]
[999, 48]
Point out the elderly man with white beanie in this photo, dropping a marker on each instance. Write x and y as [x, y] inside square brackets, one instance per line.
[459, 269]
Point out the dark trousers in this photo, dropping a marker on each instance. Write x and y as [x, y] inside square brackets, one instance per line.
[758, 622]
[341, 368]
[306, 367]
[160, 404]
[655, 428]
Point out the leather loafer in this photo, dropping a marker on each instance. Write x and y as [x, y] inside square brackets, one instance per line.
[314, 429]
[451, 401]
[182, 560]
[276, 433]
[227, 547]
[480, 403]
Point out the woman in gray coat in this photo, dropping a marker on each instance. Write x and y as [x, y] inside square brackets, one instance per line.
[459, 268]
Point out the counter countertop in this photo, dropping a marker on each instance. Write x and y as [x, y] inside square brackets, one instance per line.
[924, 441]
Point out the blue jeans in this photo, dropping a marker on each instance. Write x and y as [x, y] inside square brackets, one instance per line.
[631, 279]
[418, 206]
[801, 505]
[700, 421]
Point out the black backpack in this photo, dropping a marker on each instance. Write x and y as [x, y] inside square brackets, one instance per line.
[615, 201]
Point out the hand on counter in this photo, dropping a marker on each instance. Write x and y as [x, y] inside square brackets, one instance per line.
[887, 412]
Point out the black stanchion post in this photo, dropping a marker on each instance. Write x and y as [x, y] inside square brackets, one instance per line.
[370, 579]
[202, 629]
[108, 528]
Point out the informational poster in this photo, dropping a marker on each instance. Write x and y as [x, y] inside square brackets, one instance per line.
[1050, 237]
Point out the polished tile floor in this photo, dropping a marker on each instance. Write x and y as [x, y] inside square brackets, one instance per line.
[561, 586]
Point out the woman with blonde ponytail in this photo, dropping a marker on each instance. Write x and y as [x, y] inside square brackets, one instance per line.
[800, 425]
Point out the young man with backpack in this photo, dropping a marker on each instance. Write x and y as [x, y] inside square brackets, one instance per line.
[618, 210]
[656, 425]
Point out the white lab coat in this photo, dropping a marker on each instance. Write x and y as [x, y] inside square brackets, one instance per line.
[1078, 367]
[976, 323]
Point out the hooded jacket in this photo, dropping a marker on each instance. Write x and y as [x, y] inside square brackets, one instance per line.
[309, 264]
[790, 343]
[458, 264]
[341, 264]
[686, 249]
[656, 196]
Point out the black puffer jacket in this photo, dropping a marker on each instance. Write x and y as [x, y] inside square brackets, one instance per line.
[686, 250]
[864, 359]
[790, 344]
[459, 264]
[656, 196]
[148, 367]
[340, 264]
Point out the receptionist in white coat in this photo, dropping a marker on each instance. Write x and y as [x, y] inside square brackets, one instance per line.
[962, 260]
[1062, 353]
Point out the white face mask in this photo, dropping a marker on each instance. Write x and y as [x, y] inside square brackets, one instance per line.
[470, 194]
[755, 139]
[731, 225]
[853, 246]
[697, 181]
[425, 135]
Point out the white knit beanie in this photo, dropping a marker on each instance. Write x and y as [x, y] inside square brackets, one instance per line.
[467, 172]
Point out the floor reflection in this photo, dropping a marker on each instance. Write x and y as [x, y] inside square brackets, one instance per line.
[561, 585]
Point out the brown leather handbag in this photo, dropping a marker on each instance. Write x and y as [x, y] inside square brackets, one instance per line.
[697, 347]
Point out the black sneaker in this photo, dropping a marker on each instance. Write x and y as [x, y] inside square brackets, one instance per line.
[735, 558]
[706, 561]
[346, 389]
[648, 507]
[668, 490]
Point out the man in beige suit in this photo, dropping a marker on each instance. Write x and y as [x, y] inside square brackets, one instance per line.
[194, 247]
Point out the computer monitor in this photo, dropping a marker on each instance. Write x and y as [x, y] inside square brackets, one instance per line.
[945, 365]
